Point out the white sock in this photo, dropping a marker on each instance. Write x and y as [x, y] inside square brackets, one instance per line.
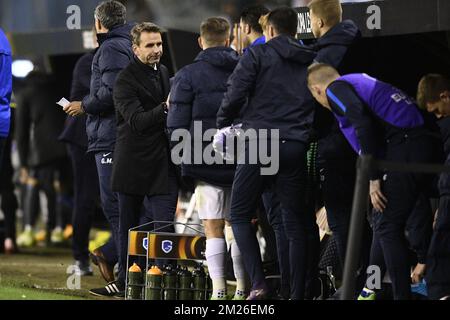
[219, 288]
[216, 249]
[238, 263]
[239, 269]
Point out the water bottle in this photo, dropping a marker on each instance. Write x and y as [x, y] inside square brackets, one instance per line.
[170, 283]
[153, 285]
[185, 284]
[135, 283]
[199, 279]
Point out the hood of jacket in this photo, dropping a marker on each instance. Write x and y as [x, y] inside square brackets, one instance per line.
[343, 33]
[289, 48]
[221, 57]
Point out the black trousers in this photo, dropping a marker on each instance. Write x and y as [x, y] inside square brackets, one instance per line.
[419, 228]
[86, 192]
[2, 147]
[289, 185]
[402, 191]
[338, 186]
[267, 230]
[45, 177]
[438, 262]
[8, 198]
[135, 210]
[275, 219]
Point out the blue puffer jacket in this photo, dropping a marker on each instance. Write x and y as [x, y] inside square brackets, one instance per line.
[5, 85]
[114, 54]
[197, 92]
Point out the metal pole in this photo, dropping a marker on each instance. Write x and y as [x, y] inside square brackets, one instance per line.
[352, 257]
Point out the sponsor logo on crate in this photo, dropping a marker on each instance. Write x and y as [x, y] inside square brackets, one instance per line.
[167, 246]
[145, 243]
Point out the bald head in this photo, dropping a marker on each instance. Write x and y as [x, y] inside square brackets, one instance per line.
[320, 76]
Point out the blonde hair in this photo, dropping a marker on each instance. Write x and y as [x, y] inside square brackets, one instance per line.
[264, 22]
[321, 73]
[330, 11]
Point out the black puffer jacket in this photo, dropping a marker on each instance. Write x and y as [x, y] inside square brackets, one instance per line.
[113, 55]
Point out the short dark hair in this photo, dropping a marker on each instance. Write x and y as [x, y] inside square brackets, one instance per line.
[143, 27]
[251, 16]
[111, 14]
[284, 20]
[430, 87]
[215, 30]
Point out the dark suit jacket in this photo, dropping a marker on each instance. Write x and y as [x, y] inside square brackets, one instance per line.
[141, 158]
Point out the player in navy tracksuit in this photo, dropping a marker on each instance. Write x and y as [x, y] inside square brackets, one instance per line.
[434, 95]
[378, 119]
[197, 92]
[272, 78]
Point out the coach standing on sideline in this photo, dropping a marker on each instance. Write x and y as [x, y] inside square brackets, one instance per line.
[142, 169]
[86, 189]
[114, 54]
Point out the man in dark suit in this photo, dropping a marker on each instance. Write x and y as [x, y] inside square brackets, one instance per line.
[142, 170]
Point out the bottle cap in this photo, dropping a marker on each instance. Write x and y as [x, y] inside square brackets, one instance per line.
[135, 268]
[155, 271]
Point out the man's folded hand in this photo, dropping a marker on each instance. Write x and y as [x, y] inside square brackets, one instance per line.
[74, 109]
